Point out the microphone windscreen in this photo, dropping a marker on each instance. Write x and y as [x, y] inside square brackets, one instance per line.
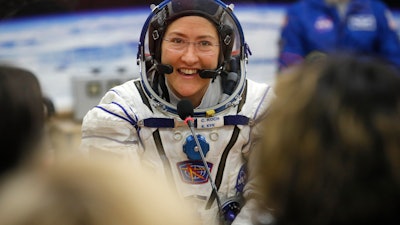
[185, 109]
[205, 74]
[164, 68]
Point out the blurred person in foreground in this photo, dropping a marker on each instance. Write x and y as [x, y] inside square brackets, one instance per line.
[191, 52]
[331, 147]
[23, 114]
[79, 191]
[326, 26]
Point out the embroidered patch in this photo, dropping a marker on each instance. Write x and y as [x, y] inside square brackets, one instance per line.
[323, 24]
[362, 22]
[241, 179]
[194, 172]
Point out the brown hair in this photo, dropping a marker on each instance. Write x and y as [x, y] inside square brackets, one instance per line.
[22, 112]
[331, 148]
[95, 191]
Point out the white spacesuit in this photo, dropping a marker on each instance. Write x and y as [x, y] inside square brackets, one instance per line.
[139, 121]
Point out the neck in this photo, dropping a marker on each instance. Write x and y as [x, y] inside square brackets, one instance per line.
[176, 97]
[194, 99]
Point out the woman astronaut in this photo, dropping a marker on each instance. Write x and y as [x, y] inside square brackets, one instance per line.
[192, 50]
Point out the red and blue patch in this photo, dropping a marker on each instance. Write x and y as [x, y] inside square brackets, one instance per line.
[193, 171]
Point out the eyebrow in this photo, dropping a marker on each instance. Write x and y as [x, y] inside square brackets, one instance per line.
[199, 37]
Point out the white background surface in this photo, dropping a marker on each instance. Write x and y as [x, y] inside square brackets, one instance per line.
[60, 48]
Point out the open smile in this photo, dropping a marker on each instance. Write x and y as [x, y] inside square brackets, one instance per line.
[188, 72]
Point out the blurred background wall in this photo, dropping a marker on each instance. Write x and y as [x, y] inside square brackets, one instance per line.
[98, 4]
[81, 48]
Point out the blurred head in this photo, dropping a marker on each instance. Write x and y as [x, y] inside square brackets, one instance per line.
[23, 115]
[331, 150]
[93, 191]
[188, 44]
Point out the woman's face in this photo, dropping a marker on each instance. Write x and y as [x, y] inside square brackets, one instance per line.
[190, 44]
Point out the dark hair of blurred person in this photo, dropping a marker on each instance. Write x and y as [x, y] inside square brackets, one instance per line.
[23, 116]
[331, 147]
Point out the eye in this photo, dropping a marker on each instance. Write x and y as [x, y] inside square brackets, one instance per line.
[205, 43]
[177, 40]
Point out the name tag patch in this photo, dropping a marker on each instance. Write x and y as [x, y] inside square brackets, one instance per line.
[210, 122]
[362, 23]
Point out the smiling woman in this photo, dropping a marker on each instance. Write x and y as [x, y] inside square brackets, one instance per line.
[193, 51]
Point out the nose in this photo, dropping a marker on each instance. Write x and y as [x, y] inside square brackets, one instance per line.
[189, 55]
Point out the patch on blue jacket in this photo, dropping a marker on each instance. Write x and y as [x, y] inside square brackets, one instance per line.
[323, 24]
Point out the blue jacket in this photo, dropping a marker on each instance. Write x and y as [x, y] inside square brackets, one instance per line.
[312, 25]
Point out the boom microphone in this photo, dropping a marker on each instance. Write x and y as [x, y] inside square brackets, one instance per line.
[164, 68]
[185, 109]
[210, 73]
[227, 210]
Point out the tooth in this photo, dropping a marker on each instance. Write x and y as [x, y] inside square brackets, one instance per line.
[188, 71]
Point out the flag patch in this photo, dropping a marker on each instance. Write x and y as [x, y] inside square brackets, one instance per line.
[193, 171]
